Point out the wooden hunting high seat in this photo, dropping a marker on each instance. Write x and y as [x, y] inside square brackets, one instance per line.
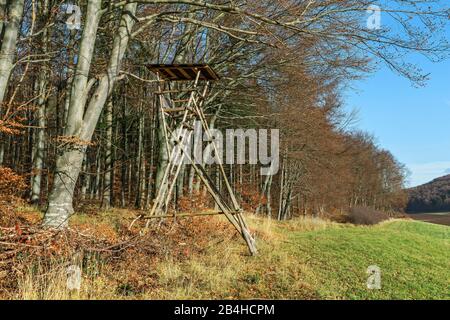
[178, 109]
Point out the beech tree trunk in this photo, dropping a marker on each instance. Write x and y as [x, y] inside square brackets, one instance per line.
[2, 15]
[163, 155]
[9, 34]
[81, 121]
[107, 183]
[38, 160]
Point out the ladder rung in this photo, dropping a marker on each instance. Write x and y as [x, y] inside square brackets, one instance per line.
[175, 91]
[171, 110]
[181, 100]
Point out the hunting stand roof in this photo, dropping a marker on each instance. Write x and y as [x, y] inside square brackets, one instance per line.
[184, 72]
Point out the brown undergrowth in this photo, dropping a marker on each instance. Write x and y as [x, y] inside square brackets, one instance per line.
[34, 262]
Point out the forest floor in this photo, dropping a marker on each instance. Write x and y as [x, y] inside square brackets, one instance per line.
[202, 258]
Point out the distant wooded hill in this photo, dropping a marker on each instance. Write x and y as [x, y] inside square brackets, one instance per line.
[430, 197]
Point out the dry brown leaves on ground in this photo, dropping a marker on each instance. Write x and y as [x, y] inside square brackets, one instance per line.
[112, 246]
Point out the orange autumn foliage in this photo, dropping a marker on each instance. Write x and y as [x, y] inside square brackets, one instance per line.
[12, 186]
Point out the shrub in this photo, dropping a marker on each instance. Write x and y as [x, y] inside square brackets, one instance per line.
[12, 187]
[11, 184]
[366, 216]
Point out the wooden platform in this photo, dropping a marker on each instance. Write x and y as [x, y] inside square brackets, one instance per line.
[184, 72]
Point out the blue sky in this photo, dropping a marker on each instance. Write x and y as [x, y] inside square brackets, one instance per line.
[413, 123]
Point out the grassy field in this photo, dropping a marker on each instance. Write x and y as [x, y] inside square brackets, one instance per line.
[414, 258]
[301, 259]
[317, 260]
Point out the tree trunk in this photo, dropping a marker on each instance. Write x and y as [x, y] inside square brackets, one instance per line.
[163, 156]
[2, 15]
[82, 122]
[141, 163]
[282, 190]
[60, 207]
[197, 151]
[38, 160]
[150, 167]
[2, 150]
[265, 192]
[269, 198]
[86, 175]
[123, 174]
[8, 44]
[107, 183]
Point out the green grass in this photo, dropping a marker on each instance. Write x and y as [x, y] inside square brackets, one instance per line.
[313, 259]
[414, 258]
